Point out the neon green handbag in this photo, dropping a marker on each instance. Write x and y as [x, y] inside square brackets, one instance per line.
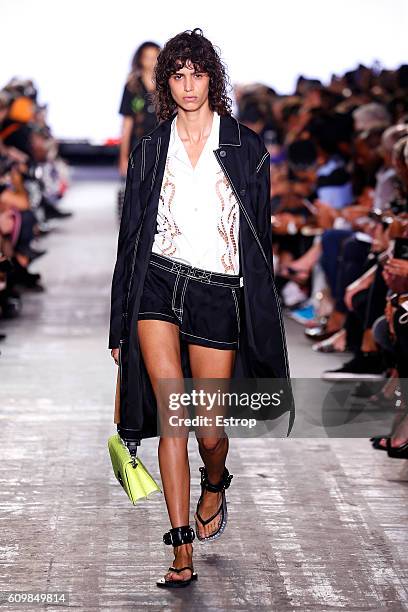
[130, 471]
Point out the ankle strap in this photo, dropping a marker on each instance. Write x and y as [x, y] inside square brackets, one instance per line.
[179, 535]
[224, 483]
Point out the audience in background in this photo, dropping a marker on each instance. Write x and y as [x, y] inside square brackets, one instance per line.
[339, 209]
[32, 182]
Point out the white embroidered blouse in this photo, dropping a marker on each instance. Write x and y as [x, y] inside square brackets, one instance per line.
[198, 215]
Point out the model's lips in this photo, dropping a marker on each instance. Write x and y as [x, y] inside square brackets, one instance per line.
[190, 98]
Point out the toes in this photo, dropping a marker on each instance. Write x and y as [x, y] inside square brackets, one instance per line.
[175, 576]
[207, 530]
[213, 526]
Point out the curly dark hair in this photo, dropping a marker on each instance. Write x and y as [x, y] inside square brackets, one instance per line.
[193, 46]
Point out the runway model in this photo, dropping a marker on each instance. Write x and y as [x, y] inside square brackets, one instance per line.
[193, 291]
[136, 108]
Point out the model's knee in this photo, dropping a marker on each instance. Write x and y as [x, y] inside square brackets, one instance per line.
[210, 444]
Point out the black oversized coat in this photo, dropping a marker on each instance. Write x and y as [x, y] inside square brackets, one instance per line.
[262, 349]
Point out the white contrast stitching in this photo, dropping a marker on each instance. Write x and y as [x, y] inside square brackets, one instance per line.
[212, 282]
[158, 313]
[200, 269]
[236, 309]
[156, 162]
[190, 276]
[262, 161]
[134, 257]
[209, 339]
[182, 297]
[267, 265]
[142, 167]
[174, 292]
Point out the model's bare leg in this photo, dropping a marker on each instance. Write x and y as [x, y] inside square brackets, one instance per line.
[160, 346]
[211, 363]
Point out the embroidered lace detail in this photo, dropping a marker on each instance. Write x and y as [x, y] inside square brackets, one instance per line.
[168, 227]
[227, 226]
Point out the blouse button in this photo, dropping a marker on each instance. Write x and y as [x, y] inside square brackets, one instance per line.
[243, 192]
[223, 153]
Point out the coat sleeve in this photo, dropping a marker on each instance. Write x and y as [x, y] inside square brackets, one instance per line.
[263, 189]
[124, 245]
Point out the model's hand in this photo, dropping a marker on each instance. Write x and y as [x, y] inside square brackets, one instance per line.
[115, 355]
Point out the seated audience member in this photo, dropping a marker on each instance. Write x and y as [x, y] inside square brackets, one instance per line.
[386, 187]
[27, 152]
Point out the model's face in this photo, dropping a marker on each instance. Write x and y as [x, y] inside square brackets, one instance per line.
[189, 88]
[149, 58]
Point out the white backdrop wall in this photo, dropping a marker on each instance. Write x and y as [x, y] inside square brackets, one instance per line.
[78, 52]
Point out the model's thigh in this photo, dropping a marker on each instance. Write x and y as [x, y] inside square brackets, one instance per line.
[208, 362]
[212, 370]
[160, 346]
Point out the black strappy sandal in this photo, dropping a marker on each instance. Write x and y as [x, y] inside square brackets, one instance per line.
[221, 486]
[397, 452]
[175, 537]
[375, 441]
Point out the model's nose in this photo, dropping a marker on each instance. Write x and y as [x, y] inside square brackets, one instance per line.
[188, 84]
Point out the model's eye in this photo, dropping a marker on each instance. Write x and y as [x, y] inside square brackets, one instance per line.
[198, 74]
[176, 77]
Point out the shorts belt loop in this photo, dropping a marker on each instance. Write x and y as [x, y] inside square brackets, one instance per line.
[176, 267]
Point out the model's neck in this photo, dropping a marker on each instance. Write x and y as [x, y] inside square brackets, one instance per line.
[194, 126]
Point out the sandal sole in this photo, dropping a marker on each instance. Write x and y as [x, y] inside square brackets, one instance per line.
[176, 584]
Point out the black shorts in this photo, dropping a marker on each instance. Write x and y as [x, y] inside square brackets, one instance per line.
[204, 305]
